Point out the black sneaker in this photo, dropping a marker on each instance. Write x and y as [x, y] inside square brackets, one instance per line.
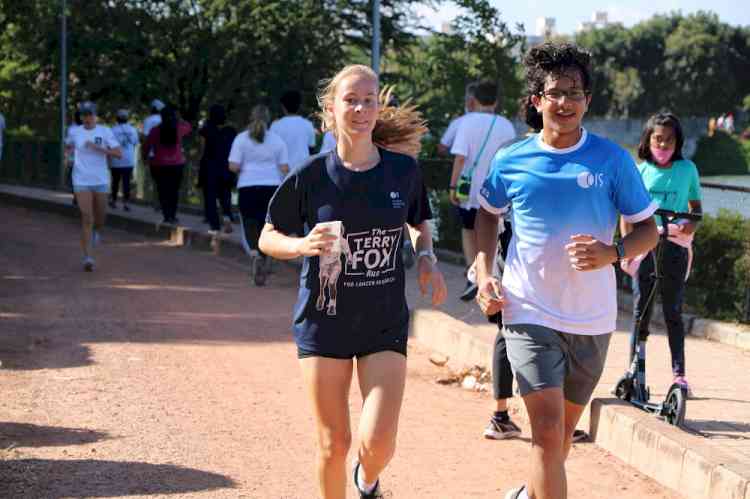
[579, 436]
[501, 430]
[259, 270]
[374, 494]
[470, 292]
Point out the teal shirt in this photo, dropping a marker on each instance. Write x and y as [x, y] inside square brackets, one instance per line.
[672, 187]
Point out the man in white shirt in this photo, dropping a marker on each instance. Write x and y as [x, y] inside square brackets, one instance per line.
[470, 103]
[122, 168]
[480, 134]
[297, 132]
[154, 119]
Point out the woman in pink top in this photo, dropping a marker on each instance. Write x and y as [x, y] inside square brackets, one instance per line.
[163, 147]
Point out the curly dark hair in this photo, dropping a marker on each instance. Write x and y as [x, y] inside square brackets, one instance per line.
[551, 59]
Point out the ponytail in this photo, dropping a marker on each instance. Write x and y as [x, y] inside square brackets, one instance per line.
[399, 127]
[259, 118]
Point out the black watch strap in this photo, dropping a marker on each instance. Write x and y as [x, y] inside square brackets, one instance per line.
[620, 248]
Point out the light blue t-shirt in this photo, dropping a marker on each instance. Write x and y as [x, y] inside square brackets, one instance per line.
[127, 136]
[554, 194]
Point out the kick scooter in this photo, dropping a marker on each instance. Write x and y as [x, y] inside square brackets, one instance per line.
[632, 386]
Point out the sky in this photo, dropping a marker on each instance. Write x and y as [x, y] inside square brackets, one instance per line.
[569, 14]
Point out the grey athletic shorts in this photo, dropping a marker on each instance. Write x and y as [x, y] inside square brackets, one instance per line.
[542, 357]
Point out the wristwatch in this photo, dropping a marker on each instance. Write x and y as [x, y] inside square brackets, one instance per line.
[429, 254]
[620, 248]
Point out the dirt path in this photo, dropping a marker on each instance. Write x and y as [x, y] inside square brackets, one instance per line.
[164, 374]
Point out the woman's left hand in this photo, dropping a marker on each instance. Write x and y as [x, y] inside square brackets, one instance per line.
[429, 275]
[687, 228]
[587, 253]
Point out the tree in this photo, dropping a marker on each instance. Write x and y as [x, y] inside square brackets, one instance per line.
[434, 71]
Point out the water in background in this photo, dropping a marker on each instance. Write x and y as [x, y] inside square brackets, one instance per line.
[715, 199]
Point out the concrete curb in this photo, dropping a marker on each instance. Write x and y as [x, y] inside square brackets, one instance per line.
[678, 460]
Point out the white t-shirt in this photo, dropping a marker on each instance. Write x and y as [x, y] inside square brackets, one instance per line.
[127, 136]
[90, 166]
[329, 143]
[449, 136]
[259, 162]
[470, 136]
[298, 134]
[150, 122]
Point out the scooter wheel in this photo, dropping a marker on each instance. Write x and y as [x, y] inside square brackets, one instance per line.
[675, 406]
[624, 389]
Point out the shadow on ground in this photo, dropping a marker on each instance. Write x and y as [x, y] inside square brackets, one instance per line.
[31, 435]
[54, 479]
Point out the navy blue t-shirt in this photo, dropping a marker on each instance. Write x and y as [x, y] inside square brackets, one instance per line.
[345, 298]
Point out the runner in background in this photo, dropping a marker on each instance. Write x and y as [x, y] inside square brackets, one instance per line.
[298, 133]
[479, 135]
[167, 160]
[92, 144]
[449, 136]
[122, 168]
[259, 157]
[152, 120]
[215, 178]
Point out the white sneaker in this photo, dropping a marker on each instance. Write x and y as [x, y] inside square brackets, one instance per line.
[227, 226]
[88, 264]
[515, 493]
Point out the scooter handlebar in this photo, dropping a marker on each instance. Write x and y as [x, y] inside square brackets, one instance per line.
[675, 215]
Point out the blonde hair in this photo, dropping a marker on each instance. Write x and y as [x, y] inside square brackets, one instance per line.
[398, 128]
[259, 118]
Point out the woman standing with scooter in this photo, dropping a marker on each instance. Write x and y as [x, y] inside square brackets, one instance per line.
[673, 183]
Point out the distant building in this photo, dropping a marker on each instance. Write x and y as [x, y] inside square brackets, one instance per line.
[599, 19]
[545, 27]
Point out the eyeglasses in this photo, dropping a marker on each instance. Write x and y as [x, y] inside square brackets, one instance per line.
[554, 95]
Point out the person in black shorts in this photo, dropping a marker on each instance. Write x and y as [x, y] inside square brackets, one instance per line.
[344, 211]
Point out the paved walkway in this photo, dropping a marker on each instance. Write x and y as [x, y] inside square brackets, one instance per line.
[718, 418]
[164, 374]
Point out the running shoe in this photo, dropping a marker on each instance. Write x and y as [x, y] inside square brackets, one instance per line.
[228, 229]
[88, 264]
[126, 207]
[469, 292]
[515, 493]
[374, 493]
[579, 436]
[497, 430]
[683, 383]
[95, 238]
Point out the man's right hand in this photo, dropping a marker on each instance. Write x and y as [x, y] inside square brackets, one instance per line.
[490, 295]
